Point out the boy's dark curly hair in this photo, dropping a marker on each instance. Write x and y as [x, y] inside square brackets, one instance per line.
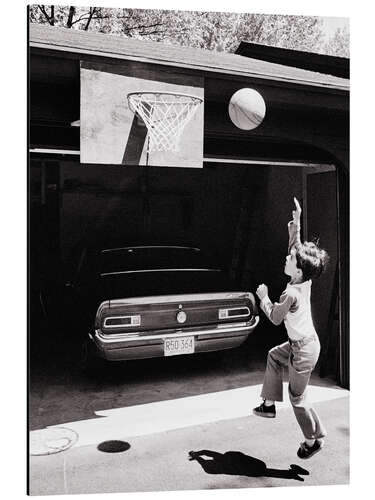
[311, 259]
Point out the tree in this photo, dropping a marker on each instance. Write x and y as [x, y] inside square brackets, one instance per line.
[339, 44]
[126, 22]
[220, 31]
[224, 31]
[63, 16]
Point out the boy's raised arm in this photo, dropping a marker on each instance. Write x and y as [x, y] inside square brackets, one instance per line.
[294, 226]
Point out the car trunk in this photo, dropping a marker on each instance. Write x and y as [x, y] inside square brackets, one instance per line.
[164, 312]
[146, 283]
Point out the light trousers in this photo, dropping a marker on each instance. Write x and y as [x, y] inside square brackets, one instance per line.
[300, 359]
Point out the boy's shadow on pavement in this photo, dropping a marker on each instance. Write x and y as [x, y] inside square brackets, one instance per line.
[237, 463]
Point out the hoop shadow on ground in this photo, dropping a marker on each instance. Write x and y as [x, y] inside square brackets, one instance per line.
[237, 463]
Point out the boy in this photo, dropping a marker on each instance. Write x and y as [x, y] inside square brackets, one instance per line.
[300, 354]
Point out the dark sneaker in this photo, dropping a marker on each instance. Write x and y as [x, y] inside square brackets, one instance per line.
[306, 451]
[265, 411]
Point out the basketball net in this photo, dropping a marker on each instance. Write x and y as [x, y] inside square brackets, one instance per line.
[165, 116]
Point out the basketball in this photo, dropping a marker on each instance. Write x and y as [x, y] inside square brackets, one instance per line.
[247, 109]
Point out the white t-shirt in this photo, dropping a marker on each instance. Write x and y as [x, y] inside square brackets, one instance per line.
[294, 308]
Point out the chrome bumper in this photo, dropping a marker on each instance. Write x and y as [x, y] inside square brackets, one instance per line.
[200, 333]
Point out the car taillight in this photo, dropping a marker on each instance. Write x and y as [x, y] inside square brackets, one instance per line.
[122, 321]
[234, 312]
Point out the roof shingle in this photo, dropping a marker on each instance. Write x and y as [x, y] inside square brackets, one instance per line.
[161, 53]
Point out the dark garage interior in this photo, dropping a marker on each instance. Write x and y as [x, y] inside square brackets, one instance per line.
[236, 213]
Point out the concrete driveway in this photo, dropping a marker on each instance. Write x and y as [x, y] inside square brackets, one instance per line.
[136, 426]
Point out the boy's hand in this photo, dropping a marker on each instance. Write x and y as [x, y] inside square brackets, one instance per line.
[262, 291]
[297, 212]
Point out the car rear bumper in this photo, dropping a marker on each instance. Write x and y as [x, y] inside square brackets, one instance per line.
[117, 347]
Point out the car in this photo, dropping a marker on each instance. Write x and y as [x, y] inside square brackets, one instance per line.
[143, 301]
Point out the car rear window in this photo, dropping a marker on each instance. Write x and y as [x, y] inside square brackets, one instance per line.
[148, 258]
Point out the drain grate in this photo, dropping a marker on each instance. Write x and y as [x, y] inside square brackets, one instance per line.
[51, 440]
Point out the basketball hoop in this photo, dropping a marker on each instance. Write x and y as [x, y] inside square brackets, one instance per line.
[165, 115]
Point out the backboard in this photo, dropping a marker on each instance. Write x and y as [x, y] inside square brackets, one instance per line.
[111, 133]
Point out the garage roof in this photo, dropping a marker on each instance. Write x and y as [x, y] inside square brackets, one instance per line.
[84, 42]
[321, 63]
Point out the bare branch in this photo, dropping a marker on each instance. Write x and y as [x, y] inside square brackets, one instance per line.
[43, 11]
[152, 32]
[92, 12]
[84, 18]
[81, 18]
[144, 26]
[72, 11]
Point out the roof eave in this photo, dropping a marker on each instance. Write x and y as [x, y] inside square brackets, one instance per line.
[194, 66]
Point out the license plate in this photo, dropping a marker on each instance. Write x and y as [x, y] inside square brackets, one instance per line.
[182, 345]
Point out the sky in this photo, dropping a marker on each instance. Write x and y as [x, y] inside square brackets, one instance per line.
[330, 24]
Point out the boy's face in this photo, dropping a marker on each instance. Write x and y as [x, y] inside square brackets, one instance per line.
[290, 268]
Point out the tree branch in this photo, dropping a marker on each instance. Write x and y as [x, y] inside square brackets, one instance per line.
[83, 18]
[144, 26]
[43, 11]
[92, 12]
[152, 32]
[72, 11]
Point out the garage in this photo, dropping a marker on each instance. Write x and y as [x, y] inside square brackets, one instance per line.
[235, 207]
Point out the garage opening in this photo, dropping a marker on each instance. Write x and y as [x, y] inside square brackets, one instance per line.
[236, 213]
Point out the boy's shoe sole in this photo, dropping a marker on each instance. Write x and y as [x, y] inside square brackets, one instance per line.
[264, 415]
[312, 453]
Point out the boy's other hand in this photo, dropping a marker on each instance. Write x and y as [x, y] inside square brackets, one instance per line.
[297, 212]
[262, 291]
